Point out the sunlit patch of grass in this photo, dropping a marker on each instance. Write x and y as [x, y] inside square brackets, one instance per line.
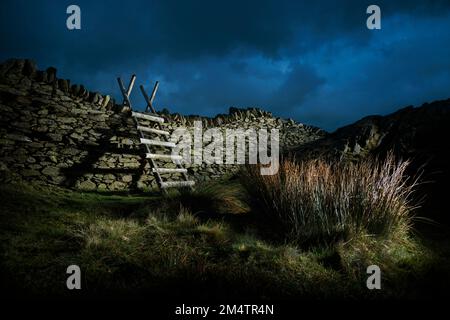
[186, 219]
[104, 229]
[214, 198]
[218, 232]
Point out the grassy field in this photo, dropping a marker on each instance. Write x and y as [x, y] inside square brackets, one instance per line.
[205, 245]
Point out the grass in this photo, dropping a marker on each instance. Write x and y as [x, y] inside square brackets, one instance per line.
[321, 202]
[175, 248]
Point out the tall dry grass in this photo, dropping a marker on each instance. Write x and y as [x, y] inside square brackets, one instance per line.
[321, 201]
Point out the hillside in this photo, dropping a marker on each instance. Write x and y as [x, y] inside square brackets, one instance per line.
[416, 133]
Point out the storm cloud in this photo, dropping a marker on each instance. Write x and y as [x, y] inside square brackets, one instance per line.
[314, 62]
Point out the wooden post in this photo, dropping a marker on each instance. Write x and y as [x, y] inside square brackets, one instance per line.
[130, 86]
[152, 97]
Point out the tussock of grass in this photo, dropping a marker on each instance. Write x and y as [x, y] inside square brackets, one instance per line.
[214, 198]
[316, 201]
[121, 230]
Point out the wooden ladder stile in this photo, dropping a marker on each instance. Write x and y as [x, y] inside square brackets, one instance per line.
[149, 101]
[148, 143]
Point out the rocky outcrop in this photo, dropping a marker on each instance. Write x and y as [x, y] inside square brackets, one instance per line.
[409, 132]
[55, 132]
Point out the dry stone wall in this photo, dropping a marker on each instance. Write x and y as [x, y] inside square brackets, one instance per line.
[53, 132]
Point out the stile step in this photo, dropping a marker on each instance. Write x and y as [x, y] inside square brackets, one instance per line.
[174, 184]
[151, 130]
[158, 143]
[163, 156]
[147, 117]
[170, 170]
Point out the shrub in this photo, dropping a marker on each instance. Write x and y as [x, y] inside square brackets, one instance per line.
[323, 201]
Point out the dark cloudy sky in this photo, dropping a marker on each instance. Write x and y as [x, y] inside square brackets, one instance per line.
[314, 61]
